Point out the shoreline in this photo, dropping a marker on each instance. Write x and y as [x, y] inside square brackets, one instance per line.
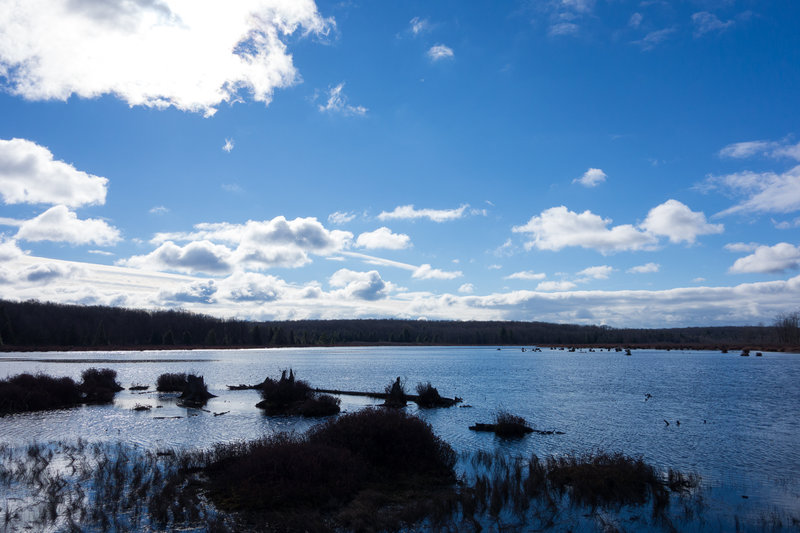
[731, 348]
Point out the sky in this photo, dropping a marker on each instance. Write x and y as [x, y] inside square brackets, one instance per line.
[614, 162]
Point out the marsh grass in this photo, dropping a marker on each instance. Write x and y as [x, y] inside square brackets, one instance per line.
[99, 385]
[292, 396]
[171, 382]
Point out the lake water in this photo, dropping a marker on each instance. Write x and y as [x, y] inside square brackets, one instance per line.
[739, 416]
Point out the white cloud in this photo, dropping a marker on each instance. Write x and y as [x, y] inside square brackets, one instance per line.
[705, 22]
[466, 288]
[654, 38]
[773, 149]
[340, 218]
[495, 267]
[408, 212]
[251, 287]
[383, 238]
[564, 28]
[197, 292]
[769, 259]
[439, 52]
[418, 25]
[159, 210]
[647, 268]
[198, 256]
[426, 272]
[62, 225]
[360, 285]
[9, 249]
[526, 275]
[699, 280]
[232, 187]
[101, 252]
[558, 227]
[597, 272]
[591, 178]
[555, 286]
[337, 103]
[191, 55]
[636, 20]
[29, 174]
[742, 247]
[676, 221]
[767, 192]
[228, 146]
[581, 6]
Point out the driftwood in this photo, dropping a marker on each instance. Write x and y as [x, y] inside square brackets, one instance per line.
[523, 429]
[445, 402]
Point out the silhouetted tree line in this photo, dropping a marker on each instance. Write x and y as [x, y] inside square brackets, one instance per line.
[48, 325]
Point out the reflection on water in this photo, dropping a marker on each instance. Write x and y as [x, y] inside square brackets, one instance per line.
[739, 425]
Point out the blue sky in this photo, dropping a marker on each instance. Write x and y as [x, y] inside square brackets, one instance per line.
[583, 161]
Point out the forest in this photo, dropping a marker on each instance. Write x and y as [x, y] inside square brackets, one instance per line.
[33, 325]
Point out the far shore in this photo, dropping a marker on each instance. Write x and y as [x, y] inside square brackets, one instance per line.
[733, 349]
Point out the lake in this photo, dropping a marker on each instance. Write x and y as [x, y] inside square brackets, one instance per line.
[733, 420]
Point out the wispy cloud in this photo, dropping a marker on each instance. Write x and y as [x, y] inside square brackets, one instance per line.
[705, 22]
[440, 52]
[647, 268]
[228, 146]
[339, 217]
[419, 25]
[337, 103]
[654, 38]
[409, 212]
[527, 275]
[158, 210]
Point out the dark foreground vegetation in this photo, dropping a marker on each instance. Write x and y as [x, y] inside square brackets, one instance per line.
[374, 470]
[193, 388]
[36, 326]
[38, 392]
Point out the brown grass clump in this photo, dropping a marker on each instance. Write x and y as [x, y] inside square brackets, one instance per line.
[171, 382]
[605, 479]
[99, 385]
[28, 392]
[509, 425]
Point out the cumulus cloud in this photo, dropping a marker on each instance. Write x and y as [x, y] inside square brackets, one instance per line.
[29, 174]
[191, 55]
[676, 221]
[769, 259]
[591, 178]
[9, 249]
[340, 218]
[647, 268]
[337, 103]
[765, 192]
[198, 292]
[527, 275]
[383, 238]
[427, 272]
[596, 272]
[360, 285]
[408, 212]
[440, 52]
[251, 287]
[705, 22]
[466, 288]
[555, 286]
[558, 227]
[59, 224]
[198, 256]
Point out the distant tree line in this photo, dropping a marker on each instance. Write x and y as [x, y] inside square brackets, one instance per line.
[35, 324]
